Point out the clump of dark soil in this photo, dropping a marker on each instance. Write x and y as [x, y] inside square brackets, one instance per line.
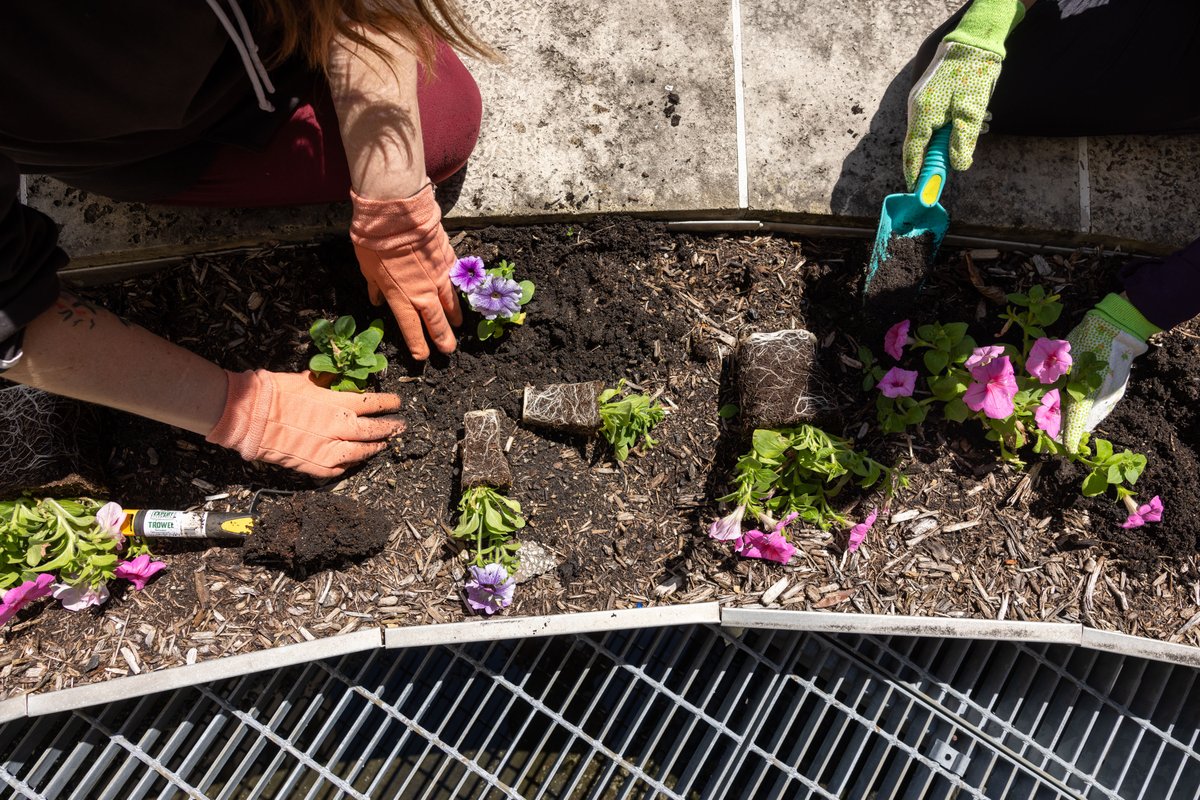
[312, 531]
[894, 287]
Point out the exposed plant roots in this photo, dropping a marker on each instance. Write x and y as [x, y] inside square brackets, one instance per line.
[569, 407]
[42, 438]
[774, 378]
[483, 459]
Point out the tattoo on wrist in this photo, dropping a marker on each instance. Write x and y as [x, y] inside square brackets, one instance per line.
[75, 311]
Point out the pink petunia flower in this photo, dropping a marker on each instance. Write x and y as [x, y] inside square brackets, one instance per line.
[982, 356]
[898, 382]
[994, 388]
[18, 597]
[729, 527]
[858, 534]
[78, 598]
[1150, 512]
[139, 571]
[1049, 359]
[768, 546]
[895, 339]
[109, 519]
[1049, 414]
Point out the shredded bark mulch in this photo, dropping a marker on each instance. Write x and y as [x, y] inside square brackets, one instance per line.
[615, 299]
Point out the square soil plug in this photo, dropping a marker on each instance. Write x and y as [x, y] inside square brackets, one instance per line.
[775, 383]
[482, 450]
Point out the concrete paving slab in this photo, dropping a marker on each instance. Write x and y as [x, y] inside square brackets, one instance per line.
[1146, 188]
[575, 124]
[575, 121]
[826, 108]
[97, 230]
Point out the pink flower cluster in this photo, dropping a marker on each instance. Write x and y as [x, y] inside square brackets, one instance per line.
[772, 546]
[993, 384]
[1150, 512]
[18, 597]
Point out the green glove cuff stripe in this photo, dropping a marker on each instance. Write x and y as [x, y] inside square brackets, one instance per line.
[987, 24]
[1120, 312]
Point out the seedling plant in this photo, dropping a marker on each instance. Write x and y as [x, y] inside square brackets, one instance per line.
[492, 292]
[627, 419]
[69, 548]
[487, 522]
[624, 419]
[350, 359]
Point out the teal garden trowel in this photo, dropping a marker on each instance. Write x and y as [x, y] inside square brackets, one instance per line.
[917, 214]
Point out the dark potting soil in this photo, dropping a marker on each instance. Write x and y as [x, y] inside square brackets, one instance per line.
[312, 531]
[894, 287]
[619, 298]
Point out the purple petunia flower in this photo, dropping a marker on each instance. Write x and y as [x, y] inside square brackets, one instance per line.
[467, 273]
[496, 297]
[490, 588]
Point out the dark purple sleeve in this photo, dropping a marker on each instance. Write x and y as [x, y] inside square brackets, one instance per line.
[29, 260]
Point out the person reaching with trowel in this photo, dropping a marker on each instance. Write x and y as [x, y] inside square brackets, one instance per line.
[1072, 68]
[171, 103]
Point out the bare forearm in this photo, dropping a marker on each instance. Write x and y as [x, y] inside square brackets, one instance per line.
[376, 103]
[83, 351]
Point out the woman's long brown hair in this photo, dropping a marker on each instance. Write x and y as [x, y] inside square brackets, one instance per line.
[307, 27]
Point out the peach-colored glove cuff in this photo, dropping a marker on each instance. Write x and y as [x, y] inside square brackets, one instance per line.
[385, 225]
[247, 408]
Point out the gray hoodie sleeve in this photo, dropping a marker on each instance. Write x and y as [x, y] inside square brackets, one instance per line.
[29, 262]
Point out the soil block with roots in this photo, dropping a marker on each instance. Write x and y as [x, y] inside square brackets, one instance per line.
[774, 378]
[483, 459]
[311, 531]
[570, 407]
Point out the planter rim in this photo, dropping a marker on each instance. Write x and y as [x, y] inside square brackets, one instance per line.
[710, 613]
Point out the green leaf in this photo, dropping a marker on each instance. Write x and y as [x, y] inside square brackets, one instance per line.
[484, 329]
[728, 411]
[936, 361]
[347, 385]
[1104, 450]
[769, 444]
[344, 327]
[527, 289]
[321, 331]
[956, 410]
[321, 363]
[1095, 483]
[368, 340]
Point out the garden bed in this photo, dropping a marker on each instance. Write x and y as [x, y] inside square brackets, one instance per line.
[969, 537]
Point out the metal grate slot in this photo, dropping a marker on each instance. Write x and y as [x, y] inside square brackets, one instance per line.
[670, 714]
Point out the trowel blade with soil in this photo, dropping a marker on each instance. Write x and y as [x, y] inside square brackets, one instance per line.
[918, 216]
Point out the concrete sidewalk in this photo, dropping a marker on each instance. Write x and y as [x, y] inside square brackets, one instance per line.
[737, 109]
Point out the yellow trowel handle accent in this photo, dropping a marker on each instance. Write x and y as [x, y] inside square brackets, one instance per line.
[932, 179]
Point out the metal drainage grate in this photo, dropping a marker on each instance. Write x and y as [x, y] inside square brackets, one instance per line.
[692, 712]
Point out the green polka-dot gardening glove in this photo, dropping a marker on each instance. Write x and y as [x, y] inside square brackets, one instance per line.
[957, 86]
[1115, 333]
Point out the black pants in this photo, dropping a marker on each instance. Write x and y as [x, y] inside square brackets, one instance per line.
[1100, 67]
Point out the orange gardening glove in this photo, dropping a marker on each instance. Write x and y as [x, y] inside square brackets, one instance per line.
[406, 257]
[284, 418]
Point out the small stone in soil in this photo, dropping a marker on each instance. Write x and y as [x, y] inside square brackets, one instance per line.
[311, 531]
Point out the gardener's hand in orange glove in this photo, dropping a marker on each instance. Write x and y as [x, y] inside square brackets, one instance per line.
[286, 419]
[406, 257]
